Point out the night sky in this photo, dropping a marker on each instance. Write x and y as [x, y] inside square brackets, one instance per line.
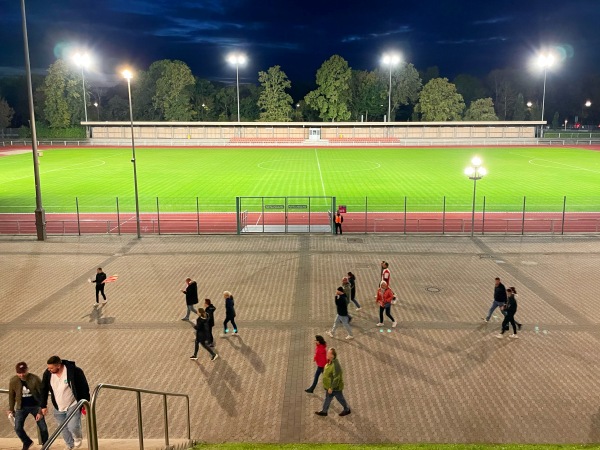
[458, 36]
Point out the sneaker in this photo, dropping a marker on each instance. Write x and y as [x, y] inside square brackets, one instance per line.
[214, 357]
[194, 358]
[345, 413]
[394, 324]
[104, 303]
[358, 309]
[320, 413]
[234, 331]
[185, 319]
[349, 338]
[380, 324]
[514, 336]
[77, 442]
[329, 333]
[500, 336]
[309, 390]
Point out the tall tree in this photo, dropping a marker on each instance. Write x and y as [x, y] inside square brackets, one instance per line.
[366, 90]
[226, 103]
[64, 96]
[6, 114]
[117, 108]
[174, 91]
[203, 100]
[274, 102]
[470, 87]
[439, 101]
[481, 110]
[520, 111]
[406, 85]
[332, 96]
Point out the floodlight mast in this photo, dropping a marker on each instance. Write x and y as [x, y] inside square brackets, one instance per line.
[128, 75]
[390, 60]
[237, 59]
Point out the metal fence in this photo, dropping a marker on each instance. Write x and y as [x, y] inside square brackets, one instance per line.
[242, 215]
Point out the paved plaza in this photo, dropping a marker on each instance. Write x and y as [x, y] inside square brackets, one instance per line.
[440, 376]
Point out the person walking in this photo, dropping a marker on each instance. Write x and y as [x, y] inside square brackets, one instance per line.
[339, 219]
[24, 398]
[384, 298]
[66, 384]
[499, 299]
[202, 336]
[99, 280]
[341, 305]
[510, 308]
[321, 359]
[385, 272]
[352, 281]
[210, 312]
[229, 313]
[514, 291]
[191, 297]
[333, 383]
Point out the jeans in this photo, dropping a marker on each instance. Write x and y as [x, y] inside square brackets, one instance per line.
[387, 313]
[318, 373]
[21, 415]
[73, 429]
[353, 300]
[345, 321]
[197, 345]
[340, 398]
[493, 308]
[227, 319]
[190, 309]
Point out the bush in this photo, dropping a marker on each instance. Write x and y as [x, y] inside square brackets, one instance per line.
[45, 132]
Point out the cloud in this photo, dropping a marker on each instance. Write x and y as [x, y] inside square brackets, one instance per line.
[354, 38]
[472, 41]
[493, 20]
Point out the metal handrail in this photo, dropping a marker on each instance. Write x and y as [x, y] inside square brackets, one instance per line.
[54, 436]
[6, 391]
[93, 434]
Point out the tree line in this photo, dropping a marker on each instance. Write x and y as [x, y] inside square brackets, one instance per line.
[168, 91]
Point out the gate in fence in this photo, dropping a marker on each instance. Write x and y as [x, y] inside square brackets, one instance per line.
[308, 214]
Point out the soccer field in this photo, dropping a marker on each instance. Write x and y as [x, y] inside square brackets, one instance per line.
[424, 176]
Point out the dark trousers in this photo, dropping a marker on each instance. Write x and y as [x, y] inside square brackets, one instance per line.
[509, 318]
[202, 343]
[227, 320]
[340, 398]
[20, 416]
[387, 313]
[209, 337]
[338, 226]
[100, 290]
[318, 373]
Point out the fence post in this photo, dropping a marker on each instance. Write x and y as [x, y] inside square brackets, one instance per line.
[483, 218]
[158, 215]
[262, 215]
[118, 217]
[237, 215]
[562, 227]
[77, 209]
[140, 422]
[523, 220]
[444, 216]
[166, 420]
[331, 217]
[198, 214]
[366, 214]
[405, 214]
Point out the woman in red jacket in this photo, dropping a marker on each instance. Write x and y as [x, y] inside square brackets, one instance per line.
[320, 358]
[385, 297]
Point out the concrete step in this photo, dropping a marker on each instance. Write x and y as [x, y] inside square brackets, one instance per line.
[103, 444]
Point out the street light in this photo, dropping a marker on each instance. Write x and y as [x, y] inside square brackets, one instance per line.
[97, 111]
[475, 172]
[587, 104]
[390, 60]
[83, 61]
[544, 61]
[128, 76]
[237, 59]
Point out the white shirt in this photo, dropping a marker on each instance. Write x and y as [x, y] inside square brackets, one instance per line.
[62, 391]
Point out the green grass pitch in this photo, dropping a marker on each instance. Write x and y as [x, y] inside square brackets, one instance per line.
[96, 176]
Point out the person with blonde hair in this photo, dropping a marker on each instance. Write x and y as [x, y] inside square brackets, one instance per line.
[229, 313]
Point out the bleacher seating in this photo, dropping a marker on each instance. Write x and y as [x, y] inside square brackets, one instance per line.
[364, 140]
[266, 141]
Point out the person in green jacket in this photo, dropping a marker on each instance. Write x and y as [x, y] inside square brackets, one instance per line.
[333, 383]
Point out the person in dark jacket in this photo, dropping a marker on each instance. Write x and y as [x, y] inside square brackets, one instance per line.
[499, 299]
[210, 312]
[352, 281]
[24, 398]
[341, 305]
[99, 280]
[191, 297]
[510, 309]
[66, 384]
[202, 336]
[321, 359]
[229, 313]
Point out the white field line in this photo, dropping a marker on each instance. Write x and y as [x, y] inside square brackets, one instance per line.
[320, 173]
[258, 220]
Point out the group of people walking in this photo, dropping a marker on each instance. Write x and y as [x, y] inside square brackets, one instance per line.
[28, 395]
[506, 301]
[205, 320]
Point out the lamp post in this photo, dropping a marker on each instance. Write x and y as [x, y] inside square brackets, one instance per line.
[390, 60]
[237, 59]
[83, 61]
[128, 76]
[544, 62]
[475, 172]
[587, 104]
[97, 111]
[40, 213]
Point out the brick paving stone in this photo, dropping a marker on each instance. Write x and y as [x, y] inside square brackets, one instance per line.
[441, 376]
